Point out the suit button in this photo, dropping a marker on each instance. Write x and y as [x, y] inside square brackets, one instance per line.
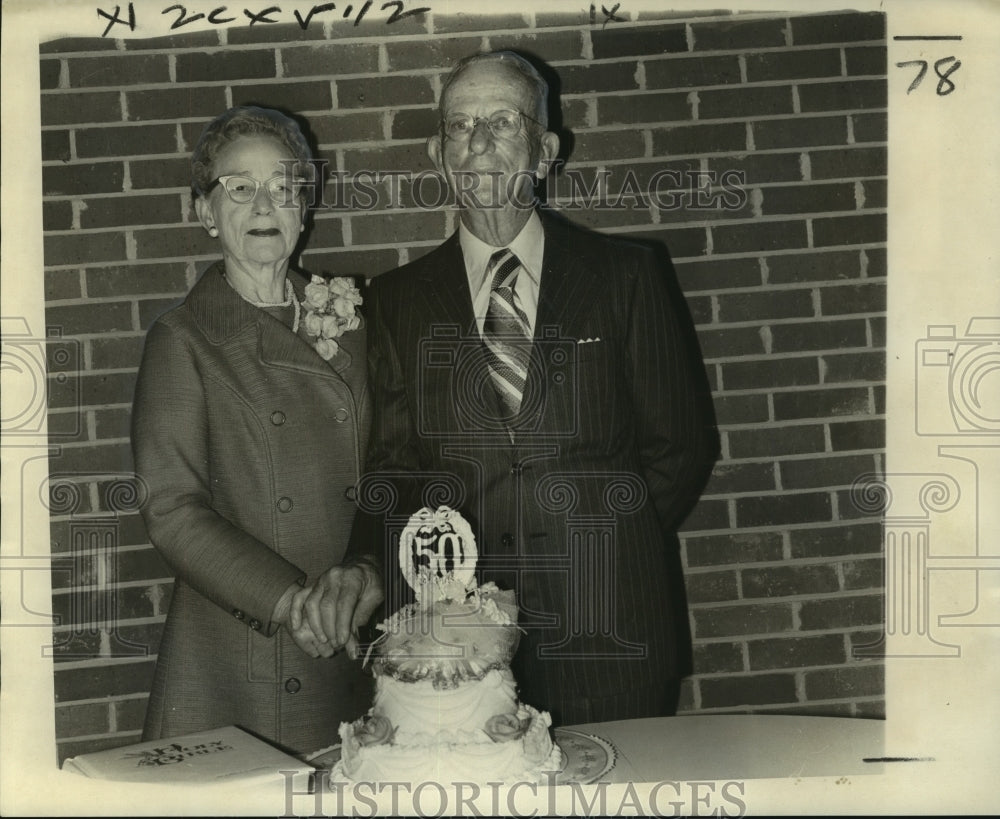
[239, 615]
[277, 418]
[516, 469]
[507, 539]
[292, 685]
[254, 624]
[284, 504]
[341, 415]
[351, 493]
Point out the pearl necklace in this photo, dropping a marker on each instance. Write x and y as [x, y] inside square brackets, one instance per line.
[290, 300]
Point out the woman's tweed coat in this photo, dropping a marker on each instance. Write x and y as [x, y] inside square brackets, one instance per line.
[248, 443]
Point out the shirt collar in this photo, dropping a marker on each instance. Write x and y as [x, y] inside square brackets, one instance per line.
[528, 246]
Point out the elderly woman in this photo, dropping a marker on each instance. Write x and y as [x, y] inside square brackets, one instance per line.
[249, 427]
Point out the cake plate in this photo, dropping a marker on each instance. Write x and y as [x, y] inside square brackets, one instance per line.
[585, 758]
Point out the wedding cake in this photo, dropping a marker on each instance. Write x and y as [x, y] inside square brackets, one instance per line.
[446, 707]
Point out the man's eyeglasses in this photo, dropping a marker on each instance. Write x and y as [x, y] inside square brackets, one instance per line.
[283, 190]
[503, 124]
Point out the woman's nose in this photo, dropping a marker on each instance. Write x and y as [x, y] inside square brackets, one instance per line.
[262, 202]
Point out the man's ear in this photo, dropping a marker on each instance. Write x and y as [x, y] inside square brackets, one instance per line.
[434, 151]
[548, 149]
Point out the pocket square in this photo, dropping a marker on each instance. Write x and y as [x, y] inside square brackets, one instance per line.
[588, 340]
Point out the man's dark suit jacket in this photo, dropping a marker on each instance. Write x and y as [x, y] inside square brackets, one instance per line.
[578, 511]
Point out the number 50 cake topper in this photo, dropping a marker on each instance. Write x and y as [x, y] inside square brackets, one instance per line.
[437, 555]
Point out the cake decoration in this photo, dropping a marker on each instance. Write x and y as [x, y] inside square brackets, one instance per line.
[446, 707]
[437, 555]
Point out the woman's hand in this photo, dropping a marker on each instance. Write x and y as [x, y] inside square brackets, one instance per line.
[301, 633]
[342, 599]
[306, 640]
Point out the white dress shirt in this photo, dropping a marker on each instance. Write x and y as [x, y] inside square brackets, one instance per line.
[528, 246]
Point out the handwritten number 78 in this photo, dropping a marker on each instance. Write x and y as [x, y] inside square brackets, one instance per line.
[945, 86]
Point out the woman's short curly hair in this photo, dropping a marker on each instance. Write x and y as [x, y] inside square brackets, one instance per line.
[245, 120]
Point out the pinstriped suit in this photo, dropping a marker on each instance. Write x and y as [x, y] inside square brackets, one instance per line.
[577, 510]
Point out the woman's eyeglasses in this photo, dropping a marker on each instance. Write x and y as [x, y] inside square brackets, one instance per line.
[503, 124]
[284, 191]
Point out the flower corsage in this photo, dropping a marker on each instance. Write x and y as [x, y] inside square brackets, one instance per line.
[330, 312]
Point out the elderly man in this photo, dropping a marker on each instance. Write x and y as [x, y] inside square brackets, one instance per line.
[545, 381]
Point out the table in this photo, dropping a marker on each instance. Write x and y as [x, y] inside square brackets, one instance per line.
[694, 764]
[727, 746]
[685, 748]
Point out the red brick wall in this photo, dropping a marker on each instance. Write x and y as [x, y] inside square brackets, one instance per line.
[787, 290]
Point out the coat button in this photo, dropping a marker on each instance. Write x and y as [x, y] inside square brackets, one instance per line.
[284, 504]
[292, 685]
[239, 615]
[341, 415]
[351, 493]
[277, 418]
[254, 624]
[516, 469]
[507, 539]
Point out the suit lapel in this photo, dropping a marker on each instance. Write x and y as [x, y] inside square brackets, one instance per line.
[222, 313]
[442, 292]
[445, 285]
[280, 348]
[570, 286]
[285, 350]
[569, 291]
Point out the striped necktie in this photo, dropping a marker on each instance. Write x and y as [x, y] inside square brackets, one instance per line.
[505, 333]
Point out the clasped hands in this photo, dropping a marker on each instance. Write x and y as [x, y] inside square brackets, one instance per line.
[324, 617]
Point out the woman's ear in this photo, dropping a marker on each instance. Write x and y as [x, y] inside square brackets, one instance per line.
[204, 212]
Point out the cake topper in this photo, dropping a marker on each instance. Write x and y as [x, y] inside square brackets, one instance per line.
[437, 555]
[456, 630]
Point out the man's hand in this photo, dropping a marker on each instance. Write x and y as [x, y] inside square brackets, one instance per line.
[342, 599]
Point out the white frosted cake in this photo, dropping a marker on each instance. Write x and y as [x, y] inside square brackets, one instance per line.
[446, 707]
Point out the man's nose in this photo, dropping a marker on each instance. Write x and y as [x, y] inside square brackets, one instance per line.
[482, 137]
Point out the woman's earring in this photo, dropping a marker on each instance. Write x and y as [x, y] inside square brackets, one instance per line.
[213, 231]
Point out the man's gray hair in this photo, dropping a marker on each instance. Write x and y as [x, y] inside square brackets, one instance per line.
[535, 82]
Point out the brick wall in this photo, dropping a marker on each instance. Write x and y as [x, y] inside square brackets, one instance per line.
[784, 276]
